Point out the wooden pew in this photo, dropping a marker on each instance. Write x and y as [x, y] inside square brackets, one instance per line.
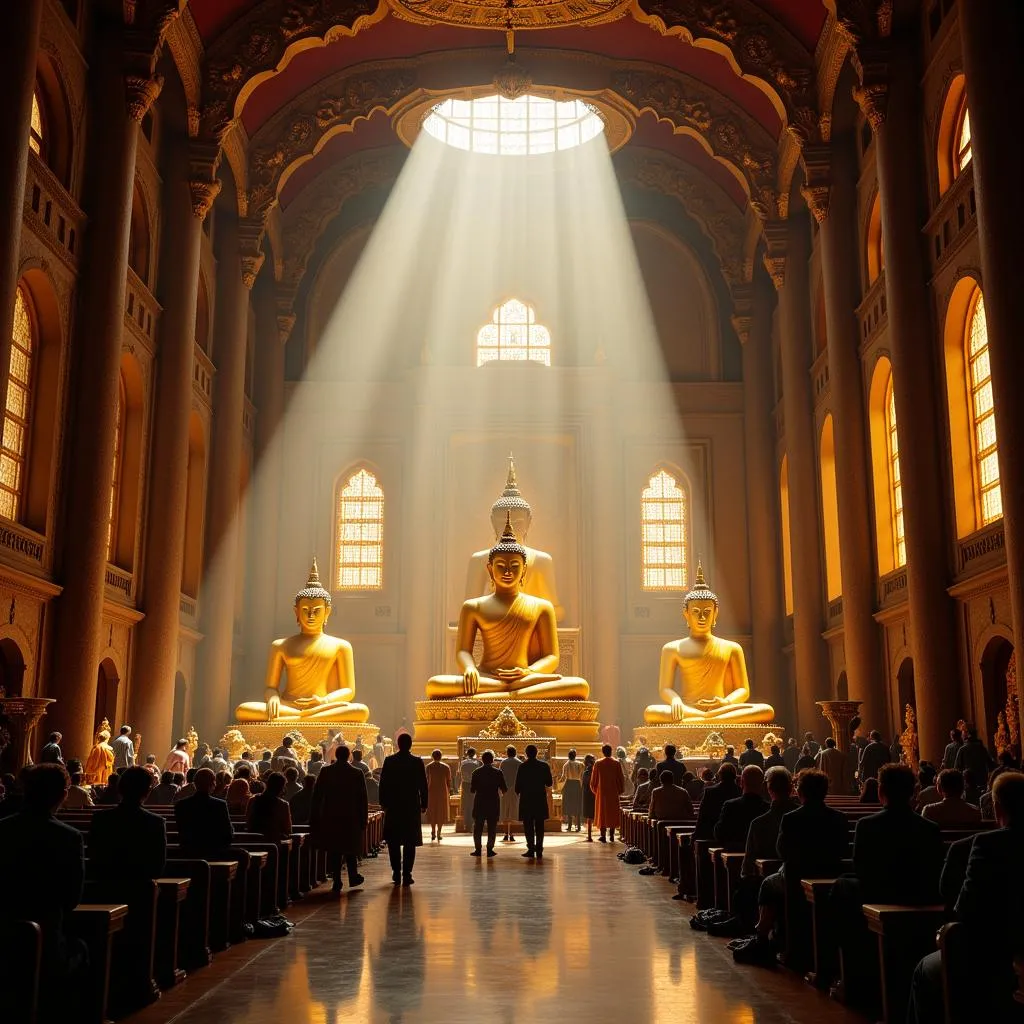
[173, 892]
[97, 925]
[21, 964]
[222, 878]
[824, 956]
[194, 923]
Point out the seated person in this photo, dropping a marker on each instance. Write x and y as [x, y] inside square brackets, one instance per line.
[642, 793]
[291, 783]
[775, 758]
[189, 788]
[78, 796]
[737, 814]
[302, 802]
[669, 802]
[729, 757]
[358, 762]
[928, 792]
[713, 799]
[671, 764]
[42, 869]
[952, 811]
[316, 762]
[238, 796]
[991, 907]
[696, 786]
[805, 760]
[869, 794]
[268, 813]
[204, 824]
[763, 834]
[221, 781]
[751, 755]
[152, 767]
[128, 842]
[265, 764]
[974, 786]
[164, 791]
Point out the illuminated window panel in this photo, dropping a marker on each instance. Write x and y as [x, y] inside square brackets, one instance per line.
[526, 126]
[986, 452]
[115, 473]
[14, 444]
[35, 135]
[895, 479]
[514, 335]
[663, 524]
[359, 540]
[962, 156]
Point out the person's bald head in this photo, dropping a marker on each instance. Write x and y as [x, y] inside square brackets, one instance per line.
[1008, 799]
[205, 781]
[752, 779]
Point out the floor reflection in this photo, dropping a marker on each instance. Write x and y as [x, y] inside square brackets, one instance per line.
[504, 940]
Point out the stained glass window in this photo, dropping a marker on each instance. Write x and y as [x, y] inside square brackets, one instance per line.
[962, 156]
[35, 135]
[115, 474]
[986, 454]
[359, 544]
[513, 334]
[13, 449]
[520, 127]
[895, 479]
[664, 514]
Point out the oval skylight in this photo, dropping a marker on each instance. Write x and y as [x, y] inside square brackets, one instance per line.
[525, 126]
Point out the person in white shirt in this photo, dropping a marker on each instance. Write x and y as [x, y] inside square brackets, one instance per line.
[124, 749]
[178, 759]
[78, 796]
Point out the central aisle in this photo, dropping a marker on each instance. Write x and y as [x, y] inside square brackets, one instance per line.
[578, 936]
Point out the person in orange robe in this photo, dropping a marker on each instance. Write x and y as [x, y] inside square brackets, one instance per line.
[606, 783]
[100, 762]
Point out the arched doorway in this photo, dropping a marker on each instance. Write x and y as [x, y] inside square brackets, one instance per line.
[12, 668]
[180, 695]
[107, 683]
[905, 691]
[842, 687]
[994, 664]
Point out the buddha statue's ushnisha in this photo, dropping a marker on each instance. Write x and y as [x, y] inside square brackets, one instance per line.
[713, 684]
[520, 640]
[319, 674]
[540, 568]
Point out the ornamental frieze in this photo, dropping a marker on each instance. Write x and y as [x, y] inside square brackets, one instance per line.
[500, 15]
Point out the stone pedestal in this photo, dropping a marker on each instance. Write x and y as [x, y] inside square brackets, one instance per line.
[704, 739]
[21, 715]
[839, 714]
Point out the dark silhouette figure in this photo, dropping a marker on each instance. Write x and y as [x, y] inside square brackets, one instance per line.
[128, 842]
[532, 782]
[403, 796]
[204, 824]
[338, 818]
[487, 783]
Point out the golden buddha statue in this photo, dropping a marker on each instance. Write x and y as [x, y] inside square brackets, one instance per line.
[540, 568]
[712, 671]
[318, 669]
[520, 641]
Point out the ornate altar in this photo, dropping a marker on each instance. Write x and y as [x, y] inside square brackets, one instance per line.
[702, 739]
[260, 736]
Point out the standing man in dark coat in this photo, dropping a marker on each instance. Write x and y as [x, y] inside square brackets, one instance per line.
[487, 783]
[532, 782]
[338, 818]
[403, 795]
[51, 752]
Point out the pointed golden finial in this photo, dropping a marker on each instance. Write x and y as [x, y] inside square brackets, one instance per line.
[508, 534]
[700, 591]
[508, 542]
[314, 589]
[700, 581]
[510, 480]
[314, 575]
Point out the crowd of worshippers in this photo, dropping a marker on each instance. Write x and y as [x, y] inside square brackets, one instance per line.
[775, 808]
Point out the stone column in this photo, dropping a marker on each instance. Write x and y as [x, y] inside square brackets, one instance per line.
[120, 102]
[156, 654]
[19, 49]
[836, 210]
[238, 263]
[990, 35]
[892, 111]
[753, 320]
[809, 654]
[274, 321]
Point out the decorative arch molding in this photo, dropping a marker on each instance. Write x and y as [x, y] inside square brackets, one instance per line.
[298, 131]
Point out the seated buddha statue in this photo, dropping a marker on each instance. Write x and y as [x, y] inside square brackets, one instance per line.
[520, 641]
[540, 568]
[713, 684]
[316, 669]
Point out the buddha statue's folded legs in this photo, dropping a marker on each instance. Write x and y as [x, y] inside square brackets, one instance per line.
[548, 687]
[663, 714]
[329, 711]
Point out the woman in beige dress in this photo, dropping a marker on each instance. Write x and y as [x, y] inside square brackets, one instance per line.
[439, 785]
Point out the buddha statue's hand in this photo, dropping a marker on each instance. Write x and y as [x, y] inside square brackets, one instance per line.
[471, 682]
[511, 674]
[678, 709]
[273, 707]
[710, 703]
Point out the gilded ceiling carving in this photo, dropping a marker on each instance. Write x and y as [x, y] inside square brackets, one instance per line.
[866, 26]
[299, 129]
[257, 44]
[717, 215]
[497, 14]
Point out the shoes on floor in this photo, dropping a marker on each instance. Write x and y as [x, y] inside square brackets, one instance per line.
[492, 853]
[336, 888]
[529, 853]
[354, 881]
[407, 881]
[476, 853]
[602, 839]
[540, 855]
[395, 877]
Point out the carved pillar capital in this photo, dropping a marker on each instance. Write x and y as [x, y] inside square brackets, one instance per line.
[250, 245]
[776, 233]
[743, 310]
[817, 186]
[873, 100]
[203, 195]
[141, 92]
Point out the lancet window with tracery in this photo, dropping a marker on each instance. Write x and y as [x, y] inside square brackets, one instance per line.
[664, 524]
[359, 545]
[513, 334]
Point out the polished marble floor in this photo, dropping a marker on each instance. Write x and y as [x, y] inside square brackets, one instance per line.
[578, 937]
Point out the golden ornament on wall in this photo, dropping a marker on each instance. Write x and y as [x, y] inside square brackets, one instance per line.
[506, 725]
[501, 15]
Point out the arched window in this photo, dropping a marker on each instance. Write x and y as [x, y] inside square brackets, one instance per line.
[513, 334]
[17, 414]
[664, 523]
[962, 138]
[892, 442]
[359, 533]
[875, 253]
[115, 470]
[37, 130]
[953, 140]
[979, 379]
[787, 551]
[830, 511]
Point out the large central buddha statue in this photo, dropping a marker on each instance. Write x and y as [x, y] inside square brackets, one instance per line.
[520, 638]
[315, 668]
[712, 673]
[540, 568]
